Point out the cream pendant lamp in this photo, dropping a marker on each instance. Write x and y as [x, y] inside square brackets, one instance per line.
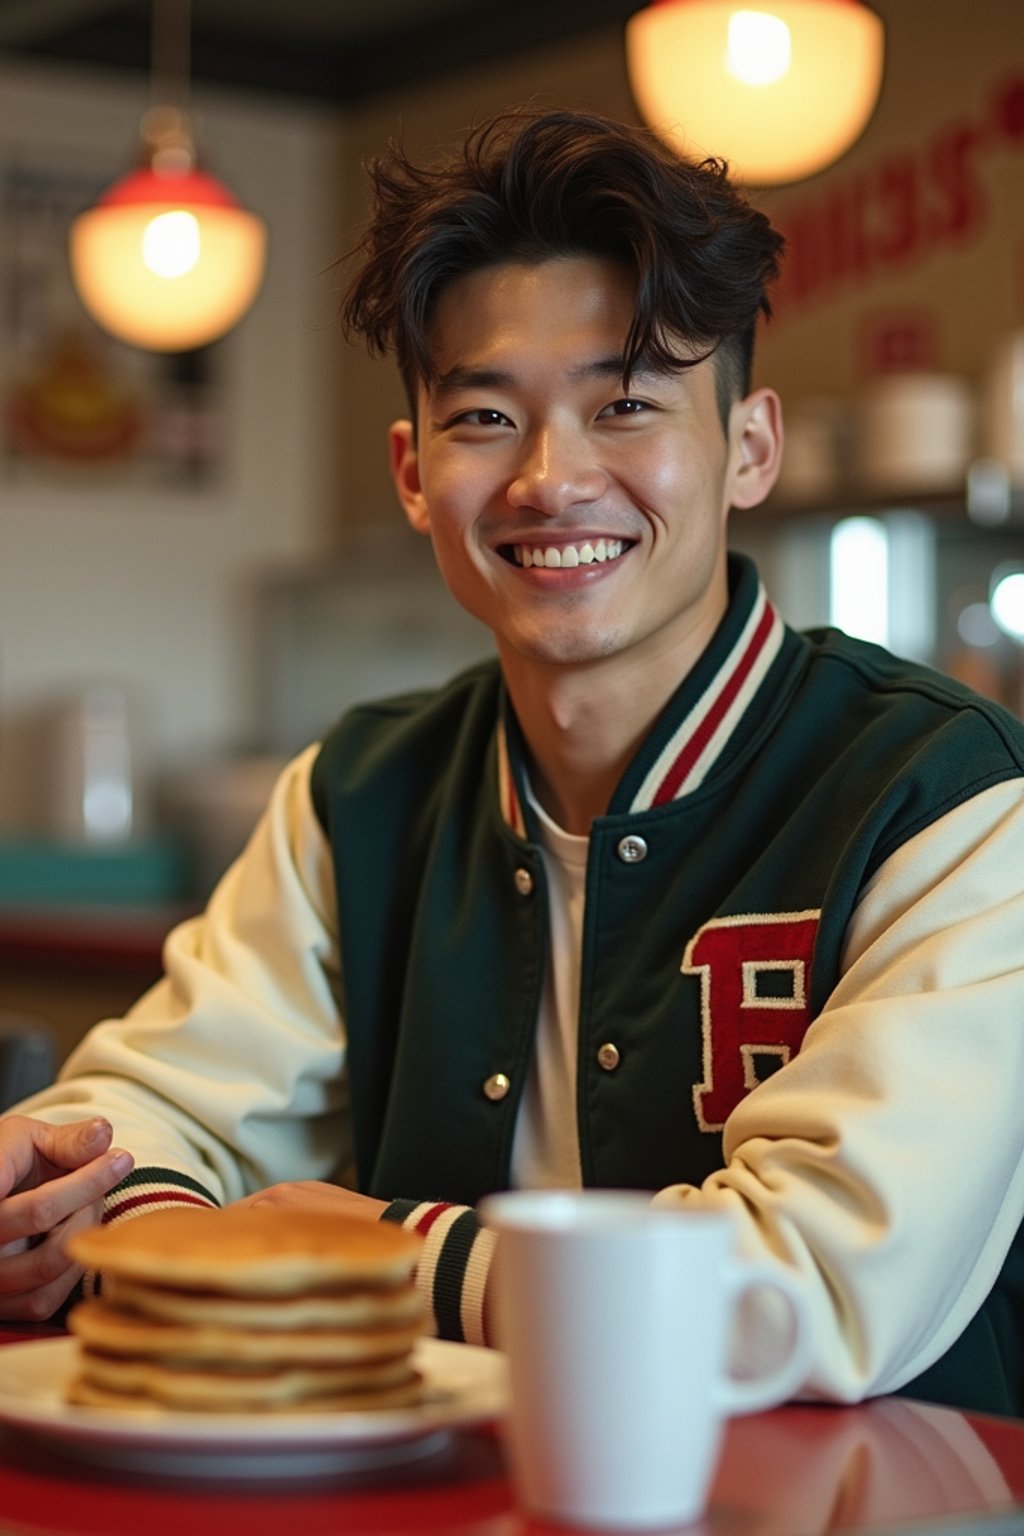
[779, 89]
[168, 260]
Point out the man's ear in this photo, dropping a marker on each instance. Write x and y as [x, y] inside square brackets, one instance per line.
[405, 472]
[755, 432]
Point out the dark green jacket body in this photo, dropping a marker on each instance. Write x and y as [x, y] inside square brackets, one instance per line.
[814, 779]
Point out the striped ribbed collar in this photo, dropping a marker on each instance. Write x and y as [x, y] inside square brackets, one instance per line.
[702, 717]
[508, 792]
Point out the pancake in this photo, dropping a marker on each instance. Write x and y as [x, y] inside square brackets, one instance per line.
[249, 1250]
[365, 1307]
[114, 1331]
[259, 1309]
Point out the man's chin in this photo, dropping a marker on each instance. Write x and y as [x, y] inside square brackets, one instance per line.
[565, 649]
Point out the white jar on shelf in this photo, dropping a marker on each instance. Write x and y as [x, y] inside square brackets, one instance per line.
[916, 432]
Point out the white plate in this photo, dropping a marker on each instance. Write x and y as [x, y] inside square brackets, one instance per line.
[464, 1385]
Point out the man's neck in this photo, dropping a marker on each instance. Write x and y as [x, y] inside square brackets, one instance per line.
[583, 724]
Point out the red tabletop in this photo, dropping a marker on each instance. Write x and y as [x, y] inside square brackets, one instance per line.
[888, 1466]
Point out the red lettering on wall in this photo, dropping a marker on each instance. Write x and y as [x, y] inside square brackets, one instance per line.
[891, 341]
[1008, 110]
[957, 208]
[896, 226]
[754, 973]
[899, 211]
[846, 248]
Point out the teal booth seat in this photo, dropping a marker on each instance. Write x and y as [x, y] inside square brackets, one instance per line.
[35, 872]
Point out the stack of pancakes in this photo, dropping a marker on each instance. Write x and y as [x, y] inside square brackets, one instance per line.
[247, 1309]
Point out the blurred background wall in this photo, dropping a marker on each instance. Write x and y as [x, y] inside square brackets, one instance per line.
[245, 574]
[122, 570]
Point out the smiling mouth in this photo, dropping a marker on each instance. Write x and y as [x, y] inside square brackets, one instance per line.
[562, 557]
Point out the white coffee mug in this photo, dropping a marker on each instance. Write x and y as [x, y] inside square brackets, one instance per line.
[616, 1318]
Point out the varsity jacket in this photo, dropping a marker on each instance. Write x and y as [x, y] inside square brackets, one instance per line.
[802, 994]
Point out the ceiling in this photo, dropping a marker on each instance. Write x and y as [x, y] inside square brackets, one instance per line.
[322, 50]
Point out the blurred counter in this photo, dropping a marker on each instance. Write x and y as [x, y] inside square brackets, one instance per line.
[70, 966]
[82, 928]
[98, 939]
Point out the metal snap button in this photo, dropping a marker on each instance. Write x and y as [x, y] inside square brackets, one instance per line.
[524, 881]
[608, 1056]
[497, 1086]
[632, 849]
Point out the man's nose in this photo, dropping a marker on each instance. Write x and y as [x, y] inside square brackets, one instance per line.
[556, 471]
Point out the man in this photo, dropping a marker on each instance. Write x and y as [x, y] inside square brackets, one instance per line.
[667, 897]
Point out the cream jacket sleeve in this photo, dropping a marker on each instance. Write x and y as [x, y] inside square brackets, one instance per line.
[885, 1162]
[231, 1069]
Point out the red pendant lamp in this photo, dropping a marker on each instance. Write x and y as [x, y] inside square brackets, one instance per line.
[168, 259]
[780, 89]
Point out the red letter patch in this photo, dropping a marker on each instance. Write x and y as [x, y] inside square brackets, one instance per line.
[753, 1001]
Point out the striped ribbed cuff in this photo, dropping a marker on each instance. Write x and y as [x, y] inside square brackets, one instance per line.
[147, 1189]
[150, 1189]
[452, 1272]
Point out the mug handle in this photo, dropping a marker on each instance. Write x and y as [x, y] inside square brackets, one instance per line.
[737, 1396]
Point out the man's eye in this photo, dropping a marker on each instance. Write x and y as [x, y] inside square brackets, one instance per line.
[625, 408]
[483, 418]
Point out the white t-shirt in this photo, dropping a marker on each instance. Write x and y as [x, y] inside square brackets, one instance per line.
[545, 1150]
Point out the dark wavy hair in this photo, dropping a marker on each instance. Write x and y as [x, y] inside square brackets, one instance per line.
[530, 186]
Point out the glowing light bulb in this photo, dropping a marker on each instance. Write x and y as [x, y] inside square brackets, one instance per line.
[1007, 604]
[171, 243]
[859, 576]
[778, 88]
[759, 47]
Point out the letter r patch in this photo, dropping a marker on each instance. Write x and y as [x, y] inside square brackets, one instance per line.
[754, 974]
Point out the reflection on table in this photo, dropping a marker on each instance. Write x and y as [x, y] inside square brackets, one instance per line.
[890, 1466]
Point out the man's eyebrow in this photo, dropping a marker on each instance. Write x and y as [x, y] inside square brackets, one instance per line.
[613, 367]
[461, 377]
[600, 368]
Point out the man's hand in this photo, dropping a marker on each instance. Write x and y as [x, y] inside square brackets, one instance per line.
[52, 1182]
[310, 1195]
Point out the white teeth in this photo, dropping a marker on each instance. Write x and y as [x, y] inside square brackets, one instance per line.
[567, 557]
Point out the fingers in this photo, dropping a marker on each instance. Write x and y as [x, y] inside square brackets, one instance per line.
[308, 1193]
[37, 1281]
[69, 1146]
[32, 1150]
[38, 1210]
[313, 1195]
[53, 1179]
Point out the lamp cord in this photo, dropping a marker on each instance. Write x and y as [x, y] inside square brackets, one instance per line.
[170, 52]
[166, 130]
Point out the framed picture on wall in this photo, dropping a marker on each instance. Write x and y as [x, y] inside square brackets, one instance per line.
[77, 405]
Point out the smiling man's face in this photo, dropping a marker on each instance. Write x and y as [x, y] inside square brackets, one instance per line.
[577, 520]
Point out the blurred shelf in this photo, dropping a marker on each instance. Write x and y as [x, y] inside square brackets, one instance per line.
[70, 966]
[984, 509]
[102, 939]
